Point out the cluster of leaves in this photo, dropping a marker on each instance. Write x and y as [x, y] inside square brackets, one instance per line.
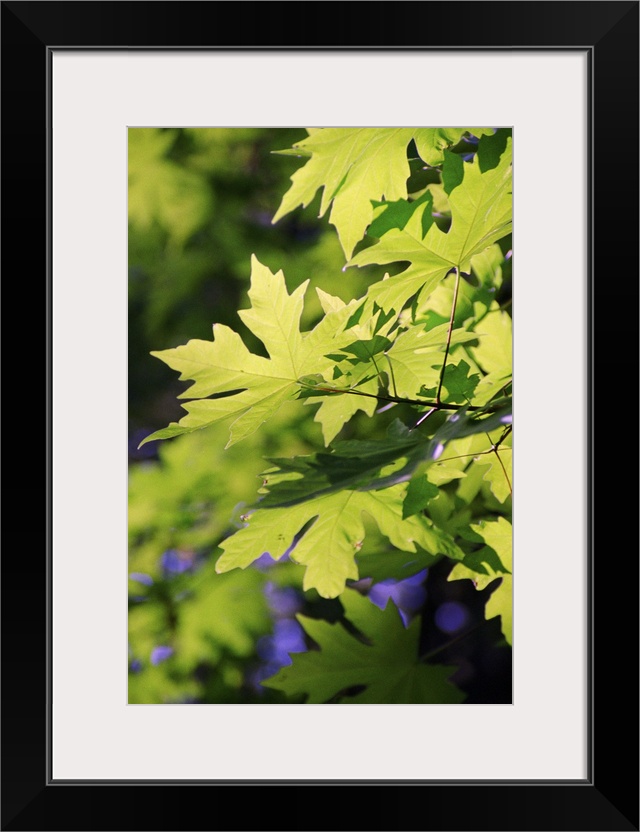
[425, 354]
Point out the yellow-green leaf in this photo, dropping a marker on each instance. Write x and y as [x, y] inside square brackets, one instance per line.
[250, 388]
[355, 166]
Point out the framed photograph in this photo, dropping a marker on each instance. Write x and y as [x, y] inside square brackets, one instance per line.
[93, 736]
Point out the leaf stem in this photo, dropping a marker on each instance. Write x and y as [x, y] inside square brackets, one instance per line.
[393, 378]
[490, 450]
[494, 449]
[504, 470]
[446, 350]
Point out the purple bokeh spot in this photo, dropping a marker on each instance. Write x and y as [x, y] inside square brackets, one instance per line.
[141, 578]
[259, 217]
[283, 601]
[160, 654]
[451, 617]
[175, 562]
[408, 595]
[265, 561]
[264, 671]
[135, 666]
[288, 637]
[148, 451]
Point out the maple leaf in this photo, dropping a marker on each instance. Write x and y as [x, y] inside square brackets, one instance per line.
[417, 354]
[355, 367]
[328, 531]
[250, 388]
[388, 665]
[357, 165]
[479, 196]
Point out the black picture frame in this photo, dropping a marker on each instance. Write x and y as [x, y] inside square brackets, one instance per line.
[608, 798]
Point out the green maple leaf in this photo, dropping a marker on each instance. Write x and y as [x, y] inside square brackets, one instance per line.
[501, 604]
[492, 384]
[493, 560]
[328, 532]
[374, 464]
[419, 493]
[355, 166]
[380, 565]
[497, 471]
[431, 142]
[351, 464]
[458, 385]
[336, 410]
[417, 354]
[388, 665]
[480, 200]
[355, 368]
[250, 388]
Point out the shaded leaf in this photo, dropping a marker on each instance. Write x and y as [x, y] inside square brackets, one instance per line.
[419, 492]
[388, 666]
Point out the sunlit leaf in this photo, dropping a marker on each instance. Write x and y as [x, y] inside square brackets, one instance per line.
[355, 166]
[250, 388]
[329, 531]
[480, 201]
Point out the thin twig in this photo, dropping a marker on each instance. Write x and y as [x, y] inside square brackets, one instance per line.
[398, 400]
[426, 656]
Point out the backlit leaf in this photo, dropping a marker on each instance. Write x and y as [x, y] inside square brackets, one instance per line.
[330, 531]
[480, 202]
[355, 166]
[250, 388]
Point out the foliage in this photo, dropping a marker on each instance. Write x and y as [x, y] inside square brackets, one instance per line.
[405, 469]
[382, 657]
